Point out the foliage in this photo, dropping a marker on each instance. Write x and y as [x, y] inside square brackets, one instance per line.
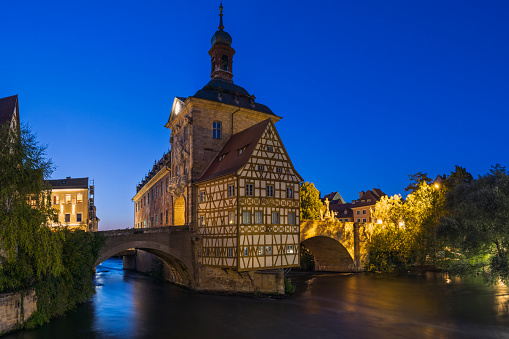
[405, 232]
[310, 203]
[289, 287]
[307, 260]
[477, 227]
[59, 264]
[416, 179]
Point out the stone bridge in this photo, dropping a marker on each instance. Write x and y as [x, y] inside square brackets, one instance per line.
[336, 246]
[173, 245]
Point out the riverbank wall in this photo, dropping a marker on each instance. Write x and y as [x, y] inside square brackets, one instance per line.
[209, 279]
[15, 309]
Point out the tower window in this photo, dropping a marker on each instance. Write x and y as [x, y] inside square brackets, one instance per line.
[216, 130]
[224, 63]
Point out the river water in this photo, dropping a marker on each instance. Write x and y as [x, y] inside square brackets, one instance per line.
[130, 305]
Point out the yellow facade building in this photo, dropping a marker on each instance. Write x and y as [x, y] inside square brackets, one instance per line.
[73, 199]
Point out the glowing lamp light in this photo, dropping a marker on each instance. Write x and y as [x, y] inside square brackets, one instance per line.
[401, 224]
[437, 186]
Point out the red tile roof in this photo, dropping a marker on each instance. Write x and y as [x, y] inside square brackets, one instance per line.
[231, 160]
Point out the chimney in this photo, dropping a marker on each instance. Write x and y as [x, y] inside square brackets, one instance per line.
[361, 193]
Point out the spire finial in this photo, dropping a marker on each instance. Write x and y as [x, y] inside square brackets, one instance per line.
[221, 27]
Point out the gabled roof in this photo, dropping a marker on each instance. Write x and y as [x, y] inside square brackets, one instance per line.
[69, 183]
[334, 197]
[231, 161]
[7, 107]
[340, 209]
[374, 195]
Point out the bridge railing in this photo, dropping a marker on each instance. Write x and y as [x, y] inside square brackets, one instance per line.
[128, 231]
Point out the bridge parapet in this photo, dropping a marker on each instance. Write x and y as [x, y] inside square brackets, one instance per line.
[130, 231]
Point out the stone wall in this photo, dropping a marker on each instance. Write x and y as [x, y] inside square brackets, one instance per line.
[14, 311]
[209, 278]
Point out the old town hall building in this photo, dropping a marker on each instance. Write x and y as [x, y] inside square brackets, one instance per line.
[227, 177]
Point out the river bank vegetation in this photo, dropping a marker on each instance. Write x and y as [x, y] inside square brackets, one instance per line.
[457, 224]
[58, 263]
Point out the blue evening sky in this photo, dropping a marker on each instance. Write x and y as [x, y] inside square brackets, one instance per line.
[369, 91]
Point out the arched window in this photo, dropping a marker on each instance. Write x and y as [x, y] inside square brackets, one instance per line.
[216, 129]
[224, 63]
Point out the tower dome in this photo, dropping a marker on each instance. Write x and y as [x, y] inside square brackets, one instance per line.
[221, 37]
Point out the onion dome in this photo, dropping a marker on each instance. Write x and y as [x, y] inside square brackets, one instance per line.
[221, 37]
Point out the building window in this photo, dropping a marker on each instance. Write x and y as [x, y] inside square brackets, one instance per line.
[156, 221]
[224, 62]
[369, 200]
[291, 218]
[278, 169]
[56, 200]
[260, 250]
[260, 167]
[161, 219]
[231, 190]
[358, 220]
[249, 189]
[216, 130]
[231, 218]
[144, 223]
[230, 252]
[258, 217]
[269, 148]
[157, 191]
[289, 249]
[207, 252]
[358, 212]
[166, 217]
[217, 252]
[246, 251]
[151, 222]
[202, 196]
[275, 217]
[79, 198]
[67, 217]
[289, 192]
[67, 198]
[78, 217]
[148, 198]
[246, 217]
[268, 250]
[363, 211]
[270, 190]
[162, 189]
[363, 220]
[345, 212]
[202, 220]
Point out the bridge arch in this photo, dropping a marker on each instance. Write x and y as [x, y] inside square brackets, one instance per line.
[170, 244]
[330, 254]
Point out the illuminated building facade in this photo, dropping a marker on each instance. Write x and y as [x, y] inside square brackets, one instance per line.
[227, 177]
[73, 199]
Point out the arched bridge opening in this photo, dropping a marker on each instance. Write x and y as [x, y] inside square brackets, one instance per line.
[172, 246]
[330, 254]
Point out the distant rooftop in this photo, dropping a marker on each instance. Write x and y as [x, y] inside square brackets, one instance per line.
[69, 183]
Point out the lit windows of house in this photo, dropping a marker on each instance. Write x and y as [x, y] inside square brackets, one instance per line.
[231, 218]
[78, 217]
[245, 251]
[216, 130]
[79, 198]
[268, 250]
[258, 217]
[246, 217]
[56, 199]
[291, 218]
[290, 249]
[249, 190]
[289, 192]
[67, 217]
[67, 198]
[260, 250]
[270, 190]
[275, 217]
[202, 196]
[231, 190]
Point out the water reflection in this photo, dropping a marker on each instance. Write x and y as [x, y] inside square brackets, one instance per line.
[129, 305]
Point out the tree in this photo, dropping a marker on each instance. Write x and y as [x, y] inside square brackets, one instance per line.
[28, 249]
[310, 203]
[459, 175]
[477, 226]
[416, 179]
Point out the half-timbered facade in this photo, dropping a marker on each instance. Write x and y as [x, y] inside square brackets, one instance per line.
[248, 203]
